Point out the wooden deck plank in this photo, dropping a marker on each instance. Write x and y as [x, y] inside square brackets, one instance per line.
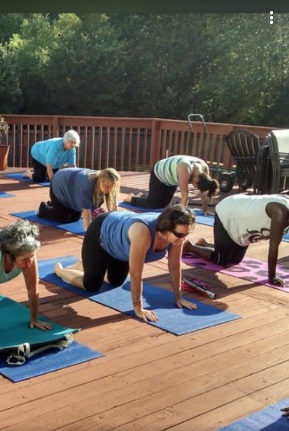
[149, 379]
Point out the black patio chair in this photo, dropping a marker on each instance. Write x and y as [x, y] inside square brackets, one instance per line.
[244, 147]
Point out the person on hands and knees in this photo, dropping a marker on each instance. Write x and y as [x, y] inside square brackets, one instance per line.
[172, 172]
[51, 155]
[18, 246]
[120, 243]
[242, 220]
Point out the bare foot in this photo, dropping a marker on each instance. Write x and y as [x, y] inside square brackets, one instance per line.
[202, 242]
[128, 198]
[139, 195]
[57, 268]
[27, 174]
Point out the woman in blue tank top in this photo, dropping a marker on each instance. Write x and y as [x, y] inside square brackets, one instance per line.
[121, 242]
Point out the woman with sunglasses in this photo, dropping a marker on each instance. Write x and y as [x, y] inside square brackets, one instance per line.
[50, 155]
[121, 242]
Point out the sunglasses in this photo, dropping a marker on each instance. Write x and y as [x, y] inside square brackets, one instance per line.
[179, 234]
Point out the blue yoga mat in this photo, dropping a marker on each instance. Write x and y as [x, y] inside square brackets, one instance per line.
[172, 319]
[268, 419]
[75, 227]
[5, 195]
[131, 207]
[19, 177]
[200, 217]
[48, 361]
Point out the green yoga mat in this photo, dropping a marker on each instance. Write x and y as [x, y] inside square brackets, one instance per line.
[15, 329]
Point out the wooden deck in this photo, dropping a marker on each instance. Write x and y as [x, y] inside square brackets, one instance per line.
[149, 379]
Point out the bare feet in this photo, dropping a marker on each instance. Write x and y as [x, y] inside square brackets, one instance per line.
[129, 197]
[58, 267]
[27, 174]
[202, 242]
[189, 245]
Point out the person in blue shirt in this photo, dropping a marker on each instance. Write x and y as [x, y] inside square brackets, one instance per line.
[80, 191]
[120, 243]
[50, 155]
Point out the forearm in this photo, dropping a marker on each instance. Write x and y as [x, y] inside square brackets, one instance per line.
[33, 298]
[204, 201]
[136, 288]
[49, 171]
[185, 199]
[86, 218]
[176, 279]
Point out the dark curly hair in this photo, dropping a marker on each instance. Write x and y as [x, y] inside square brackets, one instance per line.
[174, 215]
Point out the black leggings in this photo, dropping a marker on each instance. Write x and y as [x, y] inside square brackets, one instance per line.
[96, 261]
[159, 195]
[226, 250]
[58, 212]
[40, 172]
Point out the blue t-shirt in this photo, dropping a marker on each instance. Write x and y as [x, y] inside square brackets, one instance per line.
[73, 189]
[114, 234]
[52, 152]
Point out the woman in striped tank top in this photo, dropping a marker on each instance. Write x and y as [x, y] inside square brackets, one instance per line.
[172, 172]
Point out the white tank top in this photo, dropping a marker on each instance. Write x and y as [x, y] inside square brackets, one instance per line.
[244, 217]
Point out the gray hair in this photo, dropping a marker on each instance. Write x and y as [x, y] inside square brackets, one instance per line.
[72, 135]
[19, 238]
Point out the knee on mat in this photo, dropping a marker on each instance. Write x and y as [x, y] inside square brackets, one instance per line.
[91, 283]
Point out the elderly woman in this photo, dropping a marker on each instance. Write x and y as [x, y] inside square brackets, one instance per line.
[77, 191]
[121, 242]
[172, 172]
[18, 246]
[50, 155]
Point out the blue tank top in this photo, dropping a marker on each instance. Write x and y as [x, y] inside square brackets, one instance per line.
[114, 234]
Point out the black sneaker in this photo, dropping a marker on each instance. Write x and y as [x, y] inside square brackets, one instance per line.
[42, 208]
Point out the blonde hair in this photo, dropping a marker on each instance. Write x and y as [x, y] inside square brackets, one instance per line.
[108, 175]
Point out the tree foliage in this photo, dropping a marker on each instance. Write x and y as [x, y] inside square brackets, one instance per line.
[228, 67]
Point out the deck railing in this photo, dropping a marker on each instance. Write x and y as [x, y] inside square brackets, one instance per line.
[128, 144]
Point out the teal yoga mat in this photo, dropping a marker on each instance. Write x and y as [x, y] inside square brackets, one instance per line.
[171, 319]
[268, 419]
[75, 227]
[15, 330]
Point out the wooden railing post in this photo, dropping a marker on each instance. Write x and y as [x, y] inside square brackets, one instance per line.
[55, 126]
[155, 141]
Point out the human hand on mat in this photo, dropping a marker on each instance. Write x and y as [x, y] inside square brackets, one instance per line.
[40, 325]
[285, 411]
[186, 304]
[146, 315]
[277, 281]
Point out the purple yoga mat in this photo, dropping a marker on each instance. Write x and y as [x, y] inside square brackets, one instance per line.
[249, 269]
